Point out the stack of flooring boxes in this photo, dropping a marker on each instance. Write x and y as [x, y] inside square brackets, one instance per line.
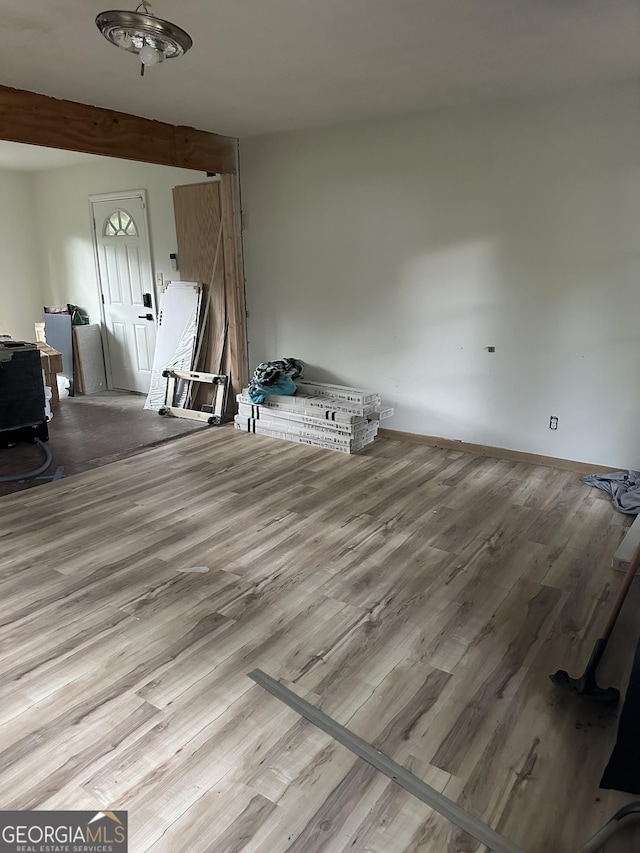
[321, 415]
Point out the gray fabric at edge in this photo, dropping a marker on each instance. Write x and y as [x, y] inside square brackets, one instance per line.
[623, 488]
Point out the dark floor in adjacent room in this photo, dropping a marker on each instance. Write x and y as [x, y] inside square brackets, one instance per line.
[89, 431]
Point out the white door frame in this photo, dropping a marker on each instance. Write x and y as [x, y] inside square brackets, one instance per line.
[118, 196]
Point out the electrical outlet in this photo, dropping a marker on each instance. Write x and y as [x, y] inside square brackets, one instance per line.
[553, 422]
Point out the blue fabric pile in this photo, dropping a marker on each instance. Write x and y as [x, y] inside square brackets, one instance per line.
[275, 377]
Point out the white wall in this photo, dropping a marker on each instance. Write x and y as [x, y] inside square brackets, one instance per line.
[64, 230]
[390, 254]
[21, 296]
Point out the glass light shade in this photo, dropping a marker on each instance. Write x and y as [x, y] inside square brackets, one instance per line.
[149, 55]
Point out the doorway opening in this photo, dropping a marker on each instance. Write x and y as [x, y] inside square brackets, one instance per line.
[55, 256]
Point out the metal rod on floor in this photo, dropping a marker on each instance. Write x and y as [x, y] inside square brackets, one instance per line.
[419, 789]
[396, 772]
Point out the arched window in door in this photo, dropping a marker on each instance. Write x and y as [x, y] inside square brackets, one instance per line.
[119, 224]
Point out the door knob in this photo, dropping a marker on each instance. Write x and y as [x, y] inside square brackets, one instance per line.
[145, 316]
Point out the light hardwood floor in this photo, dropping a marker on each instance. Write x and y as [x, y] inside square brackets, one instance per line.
[419, 596]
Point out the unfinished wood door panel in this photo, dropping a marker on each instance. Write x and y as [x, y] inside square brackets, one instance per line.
[198, 218]
[206, 226]
[197, 214]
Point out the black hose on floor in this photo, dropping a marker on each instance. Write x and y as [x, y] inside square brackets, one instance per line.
[30, 474]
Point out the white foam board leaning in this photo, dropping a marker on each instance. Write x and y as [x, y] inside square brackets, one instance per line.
[175, 338]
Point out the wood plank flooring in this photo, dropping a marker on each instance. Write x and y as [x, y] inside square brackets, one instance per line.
[420, 596]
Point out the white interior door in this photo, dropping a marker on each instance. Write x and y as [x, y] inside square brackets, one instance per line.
[126, 283]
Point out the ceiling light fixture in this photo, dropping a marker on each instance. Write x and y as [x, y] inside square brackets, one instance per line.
[153, 39]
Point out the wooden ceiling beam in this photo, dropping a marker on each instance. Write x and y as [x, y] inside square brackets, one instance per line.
[54, 123]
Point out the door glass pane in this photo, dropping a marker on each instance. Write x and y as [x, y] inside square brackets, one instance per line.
[119, 224]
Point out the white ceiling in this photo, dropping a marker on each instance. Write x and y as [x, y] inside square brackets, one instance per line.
[266, 65]
[33, 158]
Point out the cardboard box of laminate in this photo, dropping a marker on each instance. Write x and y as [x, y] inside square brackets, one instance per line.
[381, 414]
[51, 361]
[325, 407]
[311, 442]
[260, 411]
[293, 428]
[342, 392]
[50, 358]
